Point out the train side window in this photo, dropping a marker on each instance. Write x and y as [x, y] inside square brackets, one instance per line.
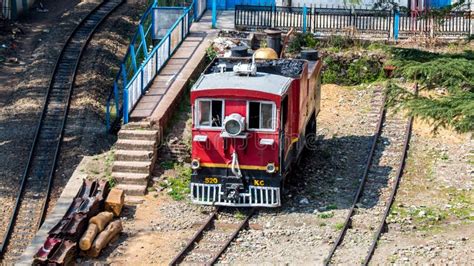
[261, 115]
[210, 113]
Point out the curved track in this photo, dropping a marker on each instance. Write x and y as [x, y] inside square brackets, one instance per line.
[384, 167]
[33, 195]
[211, 240]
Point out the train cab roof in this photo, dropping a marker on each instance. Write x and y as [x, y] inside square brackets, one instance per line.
[264, 82]
[273, 76]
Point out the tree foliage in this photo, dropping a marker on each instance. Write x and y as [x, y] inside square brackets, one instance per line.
[453, 73]
[452, 111]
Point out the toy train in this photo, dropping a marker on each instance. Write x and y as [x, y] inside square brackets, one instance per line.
[251, 121]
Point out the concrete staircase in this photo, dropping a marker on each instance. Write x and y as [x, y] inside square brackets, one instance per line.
[134, 157]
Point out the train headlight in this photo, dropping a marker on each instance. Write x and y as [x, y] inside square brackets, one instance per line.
[271, 168]
[234, 124]
[195, 164]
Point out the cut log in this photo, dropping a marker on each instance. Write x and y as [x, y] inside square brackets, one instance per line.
[102, 219]
[88, 238]
[115, 201]
[103, 239]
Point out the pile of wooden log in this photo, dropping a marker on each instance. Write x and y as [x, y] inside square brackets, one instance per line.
[85, 217]
[102, 229]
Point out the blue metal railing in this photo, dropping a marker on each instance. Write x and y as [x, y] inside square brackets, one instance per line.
[144, 60]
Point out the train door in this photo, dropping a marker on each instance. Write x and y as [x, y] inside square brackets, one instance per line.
[285, 134]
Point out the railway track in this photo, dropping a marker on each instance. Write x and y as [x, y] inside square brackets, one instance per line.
[211, 240]
[34, 190]
[365, 221]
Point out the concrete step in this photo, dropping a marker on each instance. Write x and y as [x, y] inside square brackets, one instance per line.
[132, 190]
[131, 178]
[131, 155]
[136, 145]
[138, 134]
[137, 125]
[132, 167]
[134, 200]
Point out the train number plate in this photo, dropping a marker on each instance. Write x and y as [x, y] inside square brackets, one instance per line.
[258, 183]
[211, 180]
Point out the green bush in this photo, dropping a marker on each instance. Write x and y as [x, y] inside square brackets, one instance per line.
[364, 70]
[301, 40]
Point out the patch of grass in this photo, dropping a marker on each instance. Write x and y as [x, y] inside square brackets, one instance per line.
[339, 226]
[179, 185]
[326, 215]
[422, 216]
[444, 157]
[211, 53]
[461, 204]
[239, 215]
[392, 258]
[331, 207]
[167, 165]
[95, 171]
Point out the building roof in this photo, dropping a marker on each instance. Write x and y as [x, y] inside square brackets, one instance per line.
[264, 82]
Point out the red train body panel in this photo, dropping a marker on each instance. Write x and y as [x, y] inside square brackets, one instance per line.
[248, 130]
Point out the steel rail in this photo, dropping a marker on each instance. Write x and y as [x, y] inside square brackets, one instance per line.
[71, 79]
[348, 219]
[234, 235]
[401, 167]
[179, 258]
[182, 254]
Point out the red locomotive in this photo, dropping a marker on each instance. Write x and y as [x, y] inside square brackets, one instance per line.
[251, 121]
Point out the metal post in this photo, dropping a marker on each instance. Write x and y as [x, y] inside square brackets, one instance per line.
[305, 13]
[195, 5]
[396, 24]
[274, 15]
[125, 106]
[124, 75]
[134, 59]
[214, 13]
[144, 45]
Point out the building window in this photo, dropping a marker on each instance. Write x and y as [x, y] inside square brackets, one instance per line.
[210, 113]
[261, 115]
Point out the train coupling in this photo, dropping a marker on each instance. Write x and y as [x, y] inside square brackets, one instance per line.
[232, 192]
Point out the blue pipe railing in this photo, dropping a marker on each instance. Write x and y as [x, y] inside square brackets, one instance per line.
[142, 62]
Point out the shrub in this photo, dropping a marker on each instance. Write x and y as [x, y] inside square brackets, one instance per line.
[179, 185]
[364, 70]
[301, 40]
